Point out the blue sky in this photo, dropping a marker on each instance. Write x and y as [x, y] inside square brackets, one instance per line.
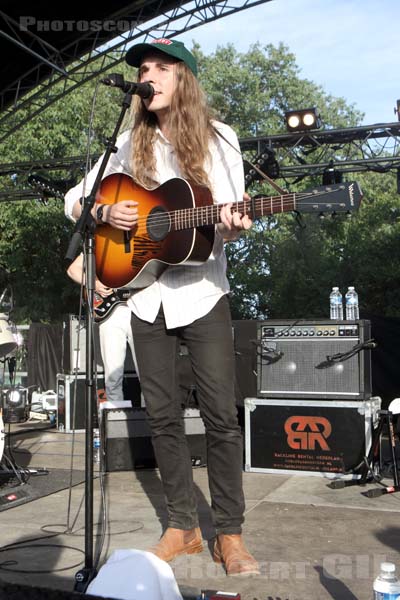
[349, 47]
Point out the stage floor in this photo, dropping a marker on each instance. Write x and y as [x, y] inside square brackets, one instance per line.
[311, 541]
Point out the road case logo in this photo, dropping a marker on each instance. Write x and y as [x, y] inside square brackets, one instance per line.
[304, 433]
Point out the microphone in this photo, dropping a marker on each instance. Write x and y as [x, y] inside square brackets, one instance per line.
[144, 90]
[269, 353]
[369, 345]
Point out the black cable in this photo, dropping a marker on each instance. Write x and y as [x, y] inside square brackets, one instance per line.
[40, 571]
[342, 356]
[65, 531]
[24, 544]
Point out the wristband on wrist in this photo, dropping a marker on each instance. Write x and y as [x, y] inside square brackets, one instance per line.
[99, 214]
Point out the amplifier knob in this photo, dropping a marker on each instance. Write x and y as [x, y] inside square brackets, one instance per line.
[319, 332]
[332, 332]
[305, 332]
[326, 332]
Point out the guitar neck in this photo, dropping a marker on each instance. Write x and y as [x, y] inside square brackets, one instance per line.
[190, 218]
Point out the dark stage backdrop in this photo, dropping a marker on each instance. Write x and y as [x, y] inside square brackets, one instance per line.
[44, 355]
[45, 358]
[385, 358]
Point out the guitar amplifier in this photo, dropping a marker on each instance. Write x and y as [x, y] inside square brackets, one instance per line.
[313, 359]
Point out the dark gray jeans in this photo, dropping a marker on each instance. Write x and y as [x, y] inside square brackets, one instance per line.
[210, 345]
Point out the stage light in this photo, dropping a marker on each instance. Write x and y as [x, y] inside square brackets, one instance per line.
[14, 402]
[302, 120]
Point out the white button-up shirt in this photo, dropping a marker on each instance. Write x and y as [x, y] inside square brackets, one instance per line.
[185, 292]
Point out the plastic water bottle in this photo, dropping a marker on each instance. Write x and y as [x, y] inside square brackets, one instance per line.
[352, 312]
[336, 304]
[96, 446]
[386, 585]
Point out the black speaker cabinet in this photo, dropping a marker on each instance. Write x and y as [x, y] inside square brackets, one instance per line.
[245, 344]
[71, 401]
[313, 359]
[127, 439]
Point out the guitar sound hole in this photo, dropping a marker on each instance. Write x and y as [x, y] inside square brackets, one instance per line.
[158, 224]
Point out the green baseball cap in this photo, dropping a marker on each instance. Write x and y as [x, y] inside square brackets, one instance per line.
[172, 47]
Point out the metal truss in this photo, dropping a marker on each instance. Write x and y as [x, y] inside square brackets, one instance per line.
[313, 153]
[59, 72]
[354, 149]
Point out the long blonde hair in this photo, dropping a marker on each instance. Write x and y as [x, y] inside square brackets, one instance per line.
[190, 132]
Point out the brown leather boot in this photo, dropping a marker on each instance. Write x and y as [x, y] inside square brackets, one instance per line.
[232, 552]
[178, 541]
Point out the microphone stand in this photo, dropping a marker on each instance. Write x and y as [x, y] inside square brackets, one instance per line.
[385, 417]
[84, 230]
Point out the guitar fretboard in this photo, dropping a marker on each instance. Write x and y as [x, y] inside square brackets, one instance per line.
[190, 218]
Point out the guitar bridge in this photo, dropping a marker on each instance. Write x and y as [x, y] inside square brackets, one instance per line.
[127, 241]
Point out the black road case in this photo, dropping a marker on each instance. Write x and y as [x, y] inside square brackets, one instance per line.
[309, 437]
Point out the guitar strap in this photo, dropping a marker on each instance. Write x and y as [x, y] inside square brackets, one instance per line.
[272, 183]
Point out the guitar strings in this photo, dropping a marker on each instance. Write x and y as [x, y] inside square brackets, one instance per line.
[161, 220]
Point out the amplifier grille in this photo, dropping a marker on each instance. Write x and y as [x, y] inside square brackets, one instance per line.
[300, 360]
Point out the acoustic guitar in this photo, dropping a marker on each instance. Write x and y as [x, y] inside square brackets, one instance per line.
[176, 224]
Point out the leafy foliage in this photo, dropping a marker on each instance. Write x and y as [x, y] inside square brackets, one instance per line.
[288, 267]
[34, 235]
[282, 268]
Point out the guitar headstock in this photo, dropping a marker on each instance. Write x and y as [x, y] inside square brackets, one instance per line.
[335, 198]
[264, 164]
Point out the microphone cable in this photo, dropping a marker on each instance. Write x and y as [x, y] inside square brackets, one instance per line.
[342, 356]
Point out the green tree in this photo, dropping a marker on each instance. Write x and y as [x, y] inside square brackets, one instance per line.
[282, 268]
[252, 91]
[285, 268]
[34, 235]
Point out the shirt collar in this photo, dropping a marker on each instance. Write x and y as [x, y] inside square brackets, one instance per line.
[161, 136]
